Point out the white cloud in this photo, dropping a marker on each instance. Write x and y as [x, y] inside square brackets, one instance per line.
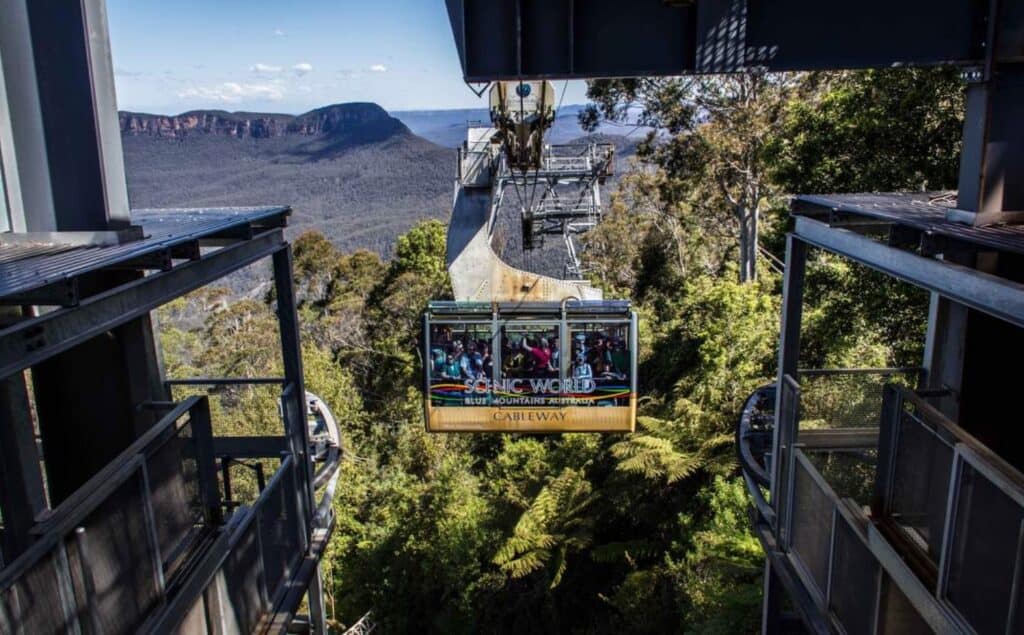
[122, 72]
[302, 68]
[278, 33]
[379, 68]
[232, 92]
[264, 69]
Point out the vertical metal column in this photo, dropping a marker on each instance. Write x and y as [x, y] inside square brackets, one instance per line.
[789, 355]
[75, 84]
[22, 496]
[991, 185]
[24, 152]
[789, 340]
[317, 612]
[291, 353]
[296, 429]
[774, 596]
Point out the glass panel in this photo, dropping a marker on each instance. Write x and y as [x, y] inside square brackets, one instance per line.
[600, 366]
[177, 503]
[920, 484]
[812, 525]
[278, 527]
[983, 552]
[33, 603]
[461, 364]
[850, 473]
[120, 557]
[245, 583]
[837, 400]
[530, 358]
[854, 581]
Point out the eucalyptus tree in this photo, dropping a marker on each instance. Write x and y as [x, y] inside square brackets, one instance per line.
[709, 135]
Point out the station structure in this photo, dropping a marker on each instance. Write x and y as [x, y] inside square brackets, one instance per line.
[121, 501]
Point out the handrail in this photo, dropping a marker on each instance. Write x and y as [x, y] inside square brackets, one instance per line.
[200, 579]
[224, 381]
[64, 527]
[927, 605]
[819, 372]
[747, 461]
[933, 416]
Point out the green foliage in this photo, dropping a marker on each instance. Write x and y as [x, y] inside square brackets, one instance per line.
[710, 138]
[871, 131]
[640, 533]
[722, 569]
[654, 458]
[555, 525]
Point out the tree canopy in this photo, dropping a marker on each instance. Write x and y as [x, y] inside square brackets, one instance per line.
[642, 533]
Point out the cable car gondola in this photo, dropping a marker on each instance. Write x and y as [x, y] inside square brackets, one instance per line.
[530, 367]
[519, 351]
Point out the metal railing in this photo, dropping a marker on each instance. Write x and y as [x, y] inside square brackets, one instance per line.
[943, 549]
[837, 414]
[144, 545]
[847, 398]
[475, 162]
[262, 563]
[959, 506]
[849, 575]
[105, 556]
[574, 158]
[265, 549]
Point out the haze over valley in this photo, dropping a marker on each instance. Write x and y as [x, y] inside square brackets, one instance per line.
[352, 171]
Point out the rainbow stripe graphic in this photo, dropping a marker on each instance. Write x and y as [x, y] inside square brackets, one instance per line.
[449, 394]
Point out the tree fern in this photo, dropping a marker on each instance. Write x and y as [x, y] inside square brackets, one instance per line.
[654, 458]
[555, 525]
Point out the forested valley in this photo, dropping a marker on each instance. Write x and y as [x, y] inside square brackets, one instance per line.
[584, 533]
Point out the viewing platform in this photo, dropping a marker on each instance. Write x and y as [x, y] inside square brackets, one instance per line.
[159, 537]
[892, 500]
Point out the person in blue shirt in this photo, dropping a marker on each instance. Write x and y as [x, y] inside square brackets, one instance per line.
[452, 369]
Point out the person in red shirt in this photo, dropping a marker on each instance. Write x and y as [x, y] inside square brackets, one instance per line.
[541, 355]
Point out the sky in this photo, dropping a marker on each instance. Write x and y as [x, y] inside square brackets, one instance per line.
[288, 56]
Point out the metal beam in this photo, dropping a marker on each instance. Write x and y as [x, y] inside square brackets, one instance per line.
[29, 342]
[998, 297]
[902, 576]
[545, 39]
[250, 447]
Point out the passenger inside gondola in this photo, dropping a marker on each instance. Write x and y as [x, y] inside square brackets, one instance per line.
[597, 373]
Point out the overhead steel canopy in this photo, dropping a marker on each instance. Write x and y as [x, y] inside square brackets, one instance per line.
[535, 39]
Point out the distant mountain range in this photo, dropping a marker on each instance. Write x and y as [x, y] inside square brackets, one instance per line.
[352, 171]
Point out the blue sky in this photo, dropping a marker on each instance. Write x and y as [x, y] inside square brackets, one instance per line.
[287, 56]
